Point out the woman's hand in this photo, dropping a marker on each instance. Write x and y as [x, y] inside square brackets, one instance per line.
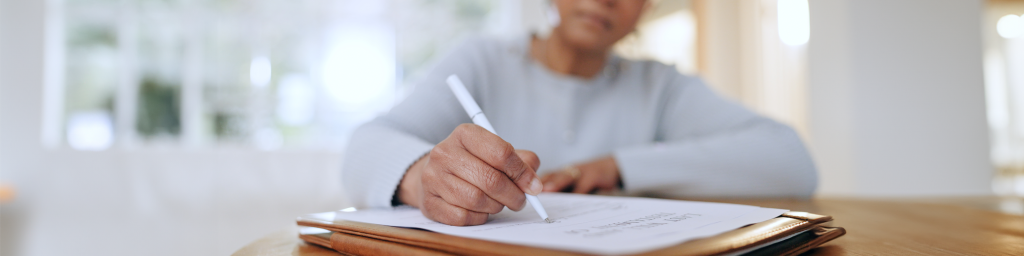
[601, 174]
[469, 175]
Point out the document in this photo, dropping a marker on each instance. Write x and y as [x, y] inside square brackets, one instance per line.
[589, 223]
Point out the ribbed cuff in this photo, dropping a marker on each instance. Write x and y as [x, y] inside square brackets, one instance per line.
[392, 167]
[635, 166]
[376, 162]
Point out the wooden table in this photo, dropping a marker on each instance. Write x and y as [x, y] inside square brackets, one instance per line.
[946, 226]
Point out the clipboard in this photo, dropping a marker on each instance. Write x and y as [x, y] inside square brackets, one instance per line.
[791, 233]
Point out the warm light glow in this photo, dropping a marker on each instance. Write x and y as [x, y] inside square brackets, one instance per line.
[360, 67]
[259, 71]
[1010, 26]
[91, 130]
[794, 22]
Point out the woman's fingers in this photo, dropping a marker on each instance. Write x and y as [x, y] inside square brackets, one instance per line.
[529, 158]
[437, 209]
[599, 174]
[585, 184]
[499, 154]
[474, 172]
[556, 181]
[460, 193]
[459, 165]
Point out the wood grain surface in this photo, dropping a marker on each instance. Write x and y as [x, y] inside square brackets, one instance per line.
[951, 226]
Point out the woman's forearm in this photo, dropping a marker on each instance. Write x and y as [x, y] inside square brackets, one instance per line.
[766, 159]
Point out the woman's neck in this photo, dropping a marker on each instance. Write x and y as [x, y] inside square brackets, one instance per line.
[562, 58]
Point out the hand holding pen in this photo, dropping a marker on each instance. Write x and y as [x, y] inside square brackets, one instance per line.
[469, 175]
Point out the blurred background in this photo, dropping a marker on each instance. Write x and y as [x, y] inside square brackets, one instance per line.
[193, 127]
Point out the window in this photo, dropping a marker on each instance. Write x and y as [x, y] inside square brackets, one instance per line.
[268, 74]
[1003, 31]
[756, 53]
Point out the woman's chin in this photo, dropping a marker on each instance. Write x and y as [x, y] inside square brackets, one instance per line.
[586, 40]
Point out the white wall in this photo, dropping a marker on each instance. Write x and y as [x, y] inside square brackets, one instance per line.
[21, 55]
[897, 97]
[21, 71]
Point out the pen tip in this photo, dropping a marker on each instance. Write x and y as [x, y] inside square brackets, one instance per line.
[548, 220]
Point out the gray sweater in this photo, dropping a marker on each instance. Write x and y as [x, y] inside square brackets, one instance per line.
[669, 133]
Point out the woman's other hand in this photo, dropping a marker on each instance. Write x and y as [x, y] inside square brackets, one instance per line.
[601, 174]
[469, 175]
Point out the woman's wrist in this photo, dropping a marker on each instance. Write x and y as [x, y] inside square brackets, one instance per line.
[609, 166]
[601, 174]
[613, 166]
[410, 188]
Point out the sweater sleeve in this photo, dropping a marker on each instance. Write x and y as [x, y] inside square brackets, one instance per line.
[708, 146]
[380, 151]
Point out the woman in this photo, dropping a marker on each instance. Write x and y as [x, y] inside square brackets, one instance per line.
[566, 101]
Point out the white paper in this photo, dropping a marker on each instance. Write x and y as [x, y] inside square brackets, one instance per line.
[589, 223]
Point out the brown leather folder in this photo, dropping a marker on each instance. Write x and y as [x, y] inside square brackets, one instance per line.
[790, 234]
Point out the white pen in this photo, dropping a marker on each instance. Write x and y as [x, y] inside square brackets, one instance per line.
[480, 119]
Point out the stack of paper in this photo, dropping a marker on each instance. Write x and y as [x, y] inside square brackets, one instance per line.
[588, 223]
